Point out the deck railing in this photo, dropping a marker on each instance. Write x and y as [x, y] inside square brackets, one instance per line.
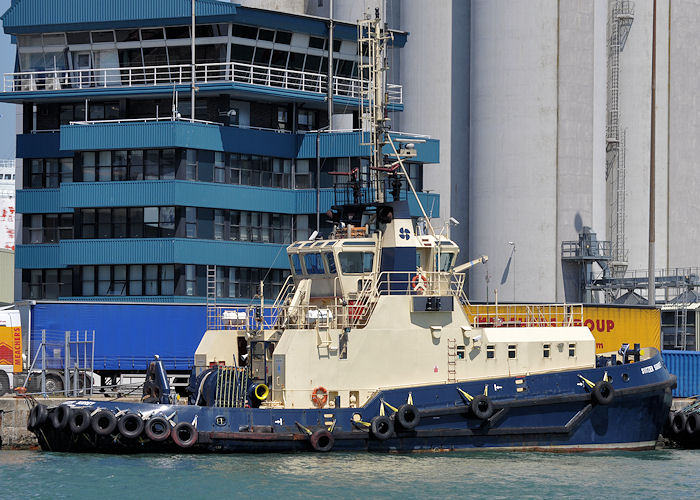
[181, 74]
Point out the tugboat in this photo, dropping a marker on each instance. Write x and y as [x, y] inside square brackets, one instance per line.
[369, 347]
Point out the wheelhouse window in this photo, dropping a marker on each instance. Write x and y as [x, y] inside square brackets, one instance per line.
[314, 263]
[356, 262]
[330, 261]
[443, 261]
[572, 350]
[545, 350]
[296, 264]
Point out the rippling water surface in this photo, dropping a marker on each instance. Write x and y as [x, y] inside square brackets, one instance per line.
[658, 474]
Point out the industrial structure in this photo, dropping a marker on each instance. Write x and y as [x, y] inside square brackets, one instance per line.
[151, 173]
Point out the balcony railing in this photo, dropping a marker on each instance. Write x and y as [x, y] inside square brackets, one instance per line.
[49, 80]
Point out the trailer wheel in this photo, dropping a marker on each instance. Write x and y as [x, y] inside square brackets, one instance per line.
[4, 383]
[53, 383]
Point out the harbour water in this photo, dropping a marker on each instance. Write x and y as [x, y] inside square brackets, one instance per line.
[665, 473]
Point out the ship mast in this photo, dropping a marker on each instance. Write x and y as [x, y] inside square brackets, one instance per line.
[371, 38]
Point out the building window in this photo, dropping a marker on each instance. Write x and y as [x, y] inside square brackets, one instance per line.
[48, 228]
[46, 283]
[281, 117]
[136, 280]
[190, 279]
[49, 172]
[306, 120]
[219, 224]
[490, 351]
[190, 222]
[148, 280]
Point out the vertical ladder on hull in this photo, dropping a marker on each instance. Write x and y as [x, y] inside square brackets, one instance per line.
[451, 361]
[212, 316]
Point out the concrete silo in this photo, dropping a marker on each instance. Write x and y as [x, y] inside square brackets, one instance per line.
[537, 117]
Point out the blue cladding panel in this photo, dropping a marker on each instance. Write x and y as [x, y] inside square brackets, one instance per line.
[40, 201]
[342, 144]
[686, 366]
[121, 251]
[118, 194]
[27, 16]
[230, 253]
[258, 142]
[126, 334]
[229, 139]
[193, 194]
[177, 134]
[43, 145]
[37, 257]
[140, 135]
[150, 251]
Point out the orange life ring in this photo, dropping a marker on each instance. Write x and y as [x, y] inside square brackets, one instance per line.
[319, 397]
[419, 281]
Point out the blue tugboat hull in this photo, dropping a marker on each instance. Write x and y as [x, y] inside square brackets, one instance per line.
[552, 412]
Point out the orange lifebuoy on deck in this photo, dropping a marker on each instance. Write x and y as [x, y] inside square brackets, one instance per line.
[319, 397]
[419, 283]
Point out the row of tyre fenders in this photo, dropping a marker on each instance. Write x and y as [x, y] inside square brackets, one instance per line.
[157, 428]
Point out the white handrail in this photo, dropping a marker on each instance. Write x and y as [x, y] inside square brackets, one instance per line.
[58, 79]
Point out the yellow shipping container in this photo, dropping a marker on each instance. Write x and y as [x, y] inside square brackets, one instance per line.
[611, 325]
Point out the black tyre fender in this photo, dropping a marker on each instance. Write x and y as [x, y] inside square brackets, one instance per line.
[382, 427]
[603, 392]
[79, 420]
[481, 407]
[37, 416]
[322, 440]
[103, 422]
[60, 416]
[184, 434]
[678, 423]
[407, 417]
[157, 428]
[692, 425]
[130, 425]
